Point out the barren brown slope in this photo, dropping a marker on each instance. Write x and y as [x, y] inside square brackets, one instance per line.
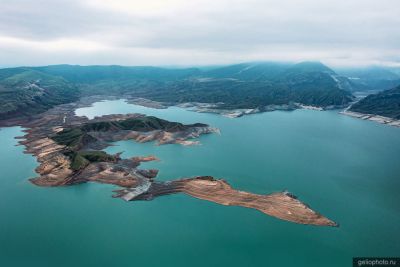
[281, 205]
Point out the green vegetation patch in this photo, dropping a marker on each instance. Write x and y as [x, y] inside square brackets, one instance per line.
[78, 162]
[81, 159]
[69, 137]
[96, 156]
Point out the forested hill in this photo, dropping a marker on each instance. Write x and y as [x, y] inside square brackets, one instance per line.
[25, 91]
[247, 85]
[386, 103]
[29, 90]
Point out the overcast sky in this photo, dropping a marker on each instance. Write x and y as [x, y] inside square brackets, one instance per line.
[199, 32]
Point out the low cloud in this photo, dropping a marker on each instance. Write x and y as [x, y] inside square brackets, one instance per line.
[198, 32]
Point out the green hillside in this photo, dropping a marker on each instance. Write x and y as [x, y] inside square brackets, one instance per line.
[385, 103]
[78, 137]
[257, 85]
[24, 92]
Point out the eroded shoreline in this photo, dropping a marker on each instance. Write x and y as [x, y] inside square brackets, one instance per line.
[372, 117]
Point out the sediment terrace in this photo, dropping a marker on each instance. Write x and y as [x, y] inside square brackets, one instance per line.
[68, 149]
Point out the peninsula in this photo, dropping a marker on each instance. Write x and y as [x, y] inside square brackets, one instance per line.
[68, 149]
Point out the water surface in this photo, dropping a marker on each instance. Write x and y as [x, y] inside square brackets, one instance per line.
[347, 169]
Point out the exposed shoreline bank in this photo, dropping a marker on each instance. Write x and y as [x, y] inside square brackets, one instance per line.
[372, 117]
[236, 113]
[205, 108]
[216, 108]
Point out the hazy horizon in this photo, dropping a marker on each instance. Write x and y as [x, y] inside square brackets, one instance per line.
[198, 32]
[211, 66]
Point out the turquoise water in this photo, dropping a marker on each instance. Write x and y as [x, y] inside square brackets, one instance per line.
[347, 169]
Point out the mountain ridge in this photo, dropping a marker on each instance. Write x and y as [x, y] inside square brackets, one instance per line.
[245, 85]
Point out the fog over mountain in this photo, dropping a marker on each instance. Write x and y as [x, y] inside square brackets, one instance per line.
[198, 32]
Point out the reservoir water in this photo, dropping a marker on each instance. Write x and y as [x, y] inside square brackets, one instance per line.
[345, 168]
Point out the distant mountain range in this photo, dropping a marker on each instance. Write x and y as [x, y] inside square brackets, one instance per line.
[371, 78]
[30, 90]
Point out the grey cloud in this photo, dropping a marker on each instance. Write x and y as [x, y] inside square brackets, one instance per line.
[222, 31]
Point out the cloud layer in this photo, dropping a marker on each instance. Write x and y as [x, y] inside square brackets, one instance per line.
[198, 32]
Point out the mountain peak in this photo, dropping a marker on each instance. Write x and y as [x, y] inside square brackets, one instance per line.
[311, 66]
